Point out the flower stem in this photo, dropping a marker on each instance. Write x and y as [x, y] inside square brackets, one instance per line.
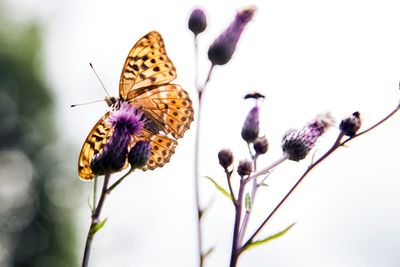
[196, 61]
[236, 228]
[94, 194]
[268, 168]
[95, 221]
[254, 189]
[200, 91]
[119, 181]
[196, 185]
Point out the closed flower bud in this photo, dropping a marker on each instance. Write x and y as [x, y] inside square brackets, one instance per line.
[225, 158]
[297, 144]
[245, 167]
[197, 21]
[139, 155]
[251, 127]
[222, 49]
[260, 145]
[125, 122]
[350, 125]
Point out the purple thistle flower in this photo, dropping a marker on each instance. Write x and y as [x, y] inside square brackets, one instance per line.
[297, 144]
[139, 155]
[222, 49]
[125, 122]
[197, 21]
[251, 126]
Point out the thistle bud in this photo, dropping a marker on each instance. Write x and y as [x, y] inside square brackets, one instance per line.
[225, 158]
[350, 125]
[297, 144]
[222, 49]
[245, 167]
[197, 21]
[251, 127]
[125, 121]
[139, 155]
[260, 145]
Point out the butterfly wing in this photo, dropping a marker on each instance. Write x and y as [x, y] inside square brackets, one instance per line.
[168, 107]
[147, 65]
[162, 148]
[97, 138]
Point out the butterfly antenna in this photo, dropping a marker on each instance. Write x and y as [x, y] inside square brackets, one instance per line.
[105, 90]
[87, 103]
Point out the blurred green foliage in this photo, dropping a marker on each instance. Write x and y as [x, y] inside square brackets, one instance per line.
[36, 228]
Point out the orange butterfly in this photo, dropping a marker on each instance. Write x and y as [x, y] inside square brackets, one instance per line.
[145, 84]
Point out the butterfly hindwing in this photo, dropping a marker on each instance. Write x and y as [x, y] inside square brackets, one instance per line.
[162, 148]
[147, 65]
[168, 106]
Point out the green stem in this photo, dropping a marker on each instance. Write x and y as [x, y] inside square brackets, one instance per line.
[119, 181]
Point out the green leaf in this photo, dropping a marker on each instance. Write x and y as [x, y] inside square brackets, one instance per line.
[272, 237]
[208, 252]
[264, 184]
[222, 190]
[248, 202]
[96, 227]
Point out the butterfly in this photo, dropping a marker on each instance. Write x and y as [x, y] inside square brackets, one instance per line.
[145, 84]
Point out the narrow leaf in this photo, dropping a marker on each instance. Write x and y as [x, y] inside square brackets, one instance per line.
[208, 252]
[221, 189]
[272, 237]
[247, 201]
[96, 227]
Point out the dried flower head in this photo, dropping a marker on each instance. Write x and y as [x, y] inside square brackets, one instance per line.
[222, 49]
[350, 125]
[251, 126]
[297, 144]
[197, 21]
[260, 145]
[225, 158]
[139, 155]
[125, 122]
[245, 167]
[254, 95]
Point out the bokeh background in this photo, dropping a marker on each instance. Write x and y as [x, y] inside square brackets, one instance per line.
[305, 56]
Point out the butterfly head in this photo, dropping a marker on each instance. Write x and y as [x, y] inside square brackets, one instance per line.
[111, 101]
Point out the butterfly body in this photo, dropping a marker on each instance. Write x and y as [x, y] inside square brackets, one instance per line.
[145, 84]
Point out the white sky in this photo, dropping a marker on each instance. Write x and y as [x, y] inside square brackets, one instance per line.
[306, 57]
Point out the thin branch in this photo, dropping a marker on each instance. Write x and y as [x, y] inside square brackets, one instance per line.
[200, 91]
[111, 188]
[238, 216]
[95, 221]
[268, 169]
[228, 178]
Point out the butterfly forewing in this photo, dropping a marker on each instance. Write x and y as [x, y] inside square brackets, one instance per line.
[93, 145]
[147, 65]
[169, 106]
